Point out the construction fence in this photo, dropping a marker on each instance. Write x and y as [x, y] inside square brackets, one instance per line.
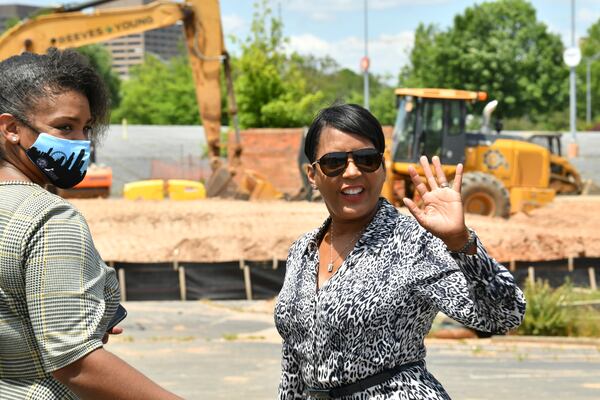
[236, 280]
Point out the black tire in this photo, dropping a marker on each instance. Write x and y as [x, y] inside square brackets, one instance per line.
[484, 194]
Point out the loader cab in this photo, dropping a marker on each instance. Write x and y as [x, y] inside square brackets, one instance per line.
[431, 122]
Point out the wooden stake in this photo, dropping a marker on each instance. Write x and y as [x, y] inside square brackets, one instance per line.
[570, 264]
[531, 274]
[513, 265]
[122, 285]
[182, 284]
[247, 280]
[592, 274]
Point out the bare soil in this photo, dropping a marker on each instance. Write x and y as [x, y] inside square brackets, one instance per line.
[225, 230]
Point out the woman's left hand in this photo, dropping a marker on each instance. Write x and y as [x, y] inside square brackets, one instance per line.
[442, 213]
[117, 330]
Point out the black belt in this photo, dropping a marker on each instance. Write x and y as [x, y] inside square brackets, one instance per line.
[363, 384]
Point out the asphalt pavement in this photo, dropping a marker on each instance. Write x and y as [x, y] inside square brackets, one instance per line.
[231, 350]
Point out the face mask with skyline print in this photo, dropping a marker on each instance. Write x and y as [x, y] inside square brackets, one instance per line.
[63, 161]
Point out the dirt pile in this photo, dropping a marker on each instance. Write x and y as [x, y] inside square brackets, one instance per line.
[203, 231]
[225, 230]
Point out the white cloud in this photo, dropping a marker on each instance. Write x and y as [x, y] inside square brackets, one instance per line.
[388, 52]
[309, 44]
[587, 15]
[233, 24]
[326, 10]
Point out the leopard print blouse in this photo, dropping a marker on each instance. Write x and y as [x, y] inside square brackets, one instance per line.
[374, 313]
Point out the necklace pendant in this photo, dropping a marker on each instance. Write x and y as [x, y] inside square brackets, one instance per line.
[330, 268]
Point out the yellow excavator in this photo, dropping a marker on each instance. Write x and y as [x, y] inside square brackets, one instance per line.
[503, 174]
[67, 27]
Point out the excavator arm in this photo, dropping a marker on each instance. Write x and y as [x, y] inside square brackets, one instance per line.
[202, 26]
[204, 39]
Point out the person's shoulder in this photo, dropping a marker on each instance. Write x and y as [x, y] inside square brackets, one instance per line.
[35, 202]
[305, 240]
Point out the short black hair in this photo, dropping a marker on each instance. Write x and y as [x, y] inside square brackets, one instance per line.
[29, 77]
[348, 118]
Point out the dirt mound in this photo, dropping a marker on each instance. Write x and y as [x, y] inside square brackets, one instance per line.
[203, 231]
[567, 227]
[226, 230]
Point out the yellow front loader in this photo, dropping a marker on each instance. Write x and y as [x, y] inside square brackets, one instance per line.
[503, 174]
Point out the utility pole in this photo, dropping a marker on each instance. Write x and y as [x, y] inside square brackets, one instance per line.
[572, 57]
[279, 11]
[572, 94]
[365, 62]
[588, 94]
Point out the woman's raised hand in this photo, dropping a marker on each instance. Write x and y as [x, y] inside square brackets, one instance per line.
[442, 213]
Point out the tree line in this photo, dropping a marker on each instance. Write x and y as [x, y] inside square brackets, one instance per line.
[273, 88]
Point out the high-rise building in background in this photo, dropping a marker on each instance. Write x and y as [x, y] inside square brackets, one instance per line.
[8, 11]
[128, 51]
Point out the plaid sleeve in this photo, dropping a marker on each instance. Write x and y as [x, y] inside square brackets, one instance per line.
[64, 287]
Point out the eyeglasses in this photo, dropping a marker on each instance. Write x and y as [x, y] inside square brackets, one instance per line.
[366, 160]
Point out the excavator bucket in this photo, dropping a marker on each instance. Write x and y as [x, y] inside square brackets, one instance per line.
[258, 187]
[220, 183]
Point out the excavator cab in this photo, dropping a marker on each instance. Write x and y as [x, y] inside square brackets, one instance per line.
[430, 126]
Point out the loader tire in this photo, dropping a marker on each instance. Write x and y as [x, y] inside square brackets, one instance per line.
[484, 194]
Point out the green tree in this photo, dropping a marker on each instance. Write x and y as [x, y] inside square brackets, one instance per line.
[9, 23]
[159, 93]
[499, 47]
[270, 88]
[342, 85]
[100, 59]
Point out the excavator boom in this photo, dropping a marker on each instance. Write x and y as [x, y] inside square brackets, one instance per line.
[204, 39]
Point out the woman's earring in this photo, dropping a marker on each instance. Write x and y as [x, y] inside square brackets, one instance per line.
[314, 187]
[15, 139]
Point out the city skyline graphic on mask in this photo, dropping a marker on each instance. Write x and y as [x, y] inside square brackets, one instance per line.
[63, 169]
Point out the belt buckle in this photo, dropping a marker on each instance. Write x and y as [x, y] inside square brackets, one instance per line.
[318, 393]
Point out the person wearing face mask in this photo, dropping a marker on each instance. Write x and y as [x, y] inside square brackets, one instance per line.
[362, 290]
[57, 296]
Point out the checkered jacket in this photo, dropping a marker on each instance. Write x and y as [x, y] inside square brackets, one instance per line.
[56, 294]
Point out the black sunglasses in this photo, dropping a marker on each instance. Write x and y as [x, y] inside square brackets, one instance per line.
[366, 160]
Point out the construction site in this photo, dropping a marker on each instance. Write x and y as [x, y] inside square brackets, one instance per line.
[559, 239]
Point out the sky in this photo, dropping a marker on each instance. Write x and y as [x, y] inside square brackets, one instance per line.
[336, 27]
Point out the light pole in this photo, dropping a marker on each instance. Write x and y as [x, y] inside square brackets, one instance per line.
[366, 62]
[588, 94]
[572, 95]
[572, 57]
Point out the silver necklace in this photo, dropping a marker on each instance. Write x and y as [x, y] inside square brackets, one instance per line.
[331, 260]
